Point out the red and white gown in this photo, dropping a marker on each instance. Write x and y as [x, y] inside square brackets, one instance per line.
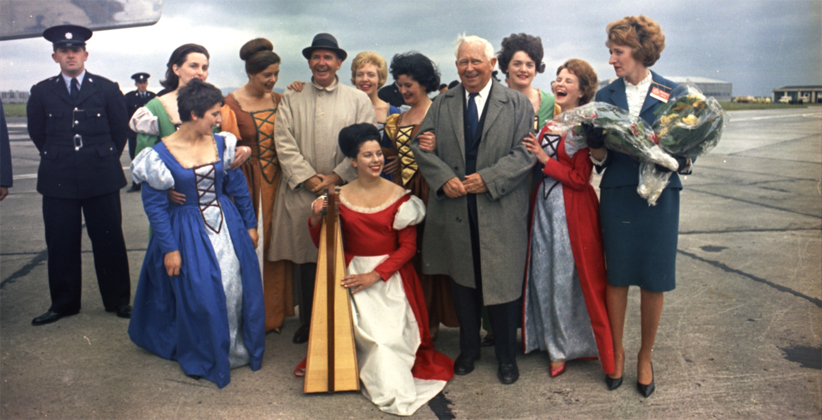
[399, 368]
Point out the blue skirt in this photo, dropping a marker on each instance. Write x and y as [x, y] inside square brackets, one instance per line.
[640, 241]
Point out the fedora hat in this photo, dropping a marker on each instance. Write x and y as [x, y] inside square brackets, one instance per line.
[326, 42]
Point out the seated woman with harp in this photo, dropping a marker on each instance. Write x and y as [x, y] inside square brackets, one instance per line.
[398, 366]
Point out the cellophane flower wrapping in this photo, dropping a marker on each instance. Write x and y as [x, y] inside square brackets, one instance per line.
[624, 134]
[689, 125]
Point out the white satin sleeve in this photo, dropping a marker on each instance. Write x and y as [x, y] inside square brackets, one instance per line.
[230, 148]
[410, 213]
[147, 167]
[143, 121]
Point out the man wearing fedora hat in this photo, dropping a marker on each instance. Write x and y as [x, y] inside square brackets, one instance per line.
[134, 100]
[305, 134]
[78, 122]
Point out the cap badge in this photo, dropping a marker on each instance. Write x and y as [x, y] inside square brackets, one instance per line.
[69, 35]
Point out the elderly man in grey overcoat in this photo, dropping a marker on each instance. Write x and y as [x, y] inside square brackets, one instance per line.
[477, 225]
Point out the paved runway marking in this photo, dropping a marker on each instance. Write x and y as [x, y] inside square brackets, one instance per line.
[770, 117]
[727, 269]
[38, 259]
[816, 216]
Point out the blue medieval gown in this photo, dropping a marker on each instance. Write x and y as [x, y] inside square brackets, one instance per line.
[211, 317]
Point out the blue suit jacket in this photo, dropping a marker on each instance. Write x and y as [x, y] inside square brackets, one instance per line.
[622, 169]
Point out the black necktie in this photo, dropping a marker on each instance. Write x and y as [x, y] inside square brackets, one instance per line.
[473, 118]
[75, 89]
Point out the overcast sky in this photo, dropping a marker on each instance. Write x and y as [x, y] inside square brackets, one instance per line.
[757, 45]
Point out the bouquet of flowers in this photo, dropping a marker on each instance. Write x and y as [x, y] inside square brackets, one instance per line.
[689, 125]
[623, 134]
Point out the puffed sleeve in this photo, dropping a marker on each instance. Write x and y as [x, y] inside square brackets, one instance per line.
[147, 167]
[143, 121]
[234, 183]
[410, 213]
[230, 148]
[147, 127]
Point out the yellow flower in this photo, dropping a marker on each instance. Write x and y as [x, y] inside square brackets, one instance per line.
[690, 120]
[666, 120]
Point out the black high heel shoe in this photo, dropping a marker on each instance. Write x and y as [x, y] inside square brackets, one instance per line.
[647, 390]
[613, 383]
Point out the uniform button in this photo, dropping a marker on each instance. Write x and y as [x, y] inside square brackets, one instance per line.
[76, 122]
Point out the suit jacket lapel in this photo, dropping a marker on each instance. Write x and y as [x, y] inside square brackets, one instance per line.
[618, 97]
[494, 104]
[88, 88]
[456, 112]
[61, 90]
[649, 100]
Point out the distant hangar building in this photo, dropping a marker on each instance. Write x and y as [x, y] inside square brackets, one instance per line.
[813, 93]
[710, 87]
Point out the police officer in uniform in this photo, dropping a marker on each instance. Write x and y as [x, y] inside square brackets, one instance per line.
[134, 100]
[78, 121]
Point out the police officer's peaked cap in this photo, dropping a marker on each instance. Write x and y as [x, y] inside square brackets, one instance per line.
[67, 35]
[140, 77]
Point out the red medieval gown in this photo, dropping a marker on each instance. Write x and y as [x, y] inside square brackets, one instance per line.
[399, 368]
[564, 309]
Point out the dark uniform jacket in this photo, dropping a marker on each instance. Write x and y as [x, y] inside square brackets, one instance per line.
[134, 101]
[80, 141]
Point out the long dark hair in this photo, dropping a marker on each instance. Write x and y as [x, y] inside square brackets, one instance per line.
[178, 57]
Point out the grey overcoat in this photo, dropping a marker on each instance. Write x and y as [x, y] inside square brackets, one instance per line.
[504, 163]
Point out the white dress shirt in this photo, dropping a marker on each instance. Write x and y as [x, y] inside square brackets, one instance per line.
[79, 78]
[480, 99]
[636, 94]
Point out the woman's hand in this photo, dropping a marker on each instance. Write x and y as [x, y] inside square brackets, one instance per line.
[254, 236]
[428, 141]
[392, 165]
[172, 262]
[358, 282]
[296, 86]
[316, 210]
[532, 144]
[175, 197]
[241, 154]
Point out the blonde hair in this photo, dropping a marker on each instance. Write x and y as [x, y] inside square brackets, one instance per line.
[641, 34]
[370, 57]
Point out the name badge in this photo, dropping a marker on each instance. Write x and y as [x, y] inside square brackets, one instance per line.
[660, 94]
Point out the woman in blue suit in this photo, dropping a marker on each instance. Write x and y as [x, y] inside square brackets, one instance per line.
[640, 241]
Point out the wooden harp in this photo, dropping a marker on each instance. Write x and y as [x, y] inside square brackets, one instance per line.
[331, 364]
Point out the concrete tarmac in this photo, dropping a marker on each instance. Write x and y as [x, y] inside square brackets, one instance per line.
[740, 337]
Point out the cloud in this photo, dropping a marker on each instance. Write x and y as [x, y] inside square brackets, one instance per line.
[755, 44]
